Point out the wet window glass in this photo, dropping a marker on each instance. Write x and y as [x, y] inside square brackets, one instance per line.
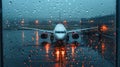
[88, 30]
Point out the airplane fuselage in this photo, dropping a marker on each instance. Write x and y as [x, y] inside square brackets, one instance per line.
[60, 32]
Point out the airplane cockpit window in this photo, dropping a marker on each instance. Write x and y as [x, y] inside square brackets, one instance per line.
[59, 33]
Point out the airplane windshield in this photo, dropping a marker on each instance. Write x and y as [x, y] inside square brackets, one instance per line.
[60, 32]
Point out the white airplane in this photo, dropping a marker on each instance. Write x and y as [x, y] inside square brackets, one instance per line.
[60, 32]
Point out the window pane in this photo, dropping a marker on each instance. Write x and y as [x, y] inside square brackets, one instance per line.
[29, 39]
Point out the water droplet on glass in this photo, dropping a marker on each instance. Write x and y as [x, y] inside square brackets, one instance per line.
[87, 11]
[70, 16]
[39, 1]
[101, 4]
[66, 0]
[54, 7]
[69, 3]
[34, 10]
[10, 2]
[73, 0]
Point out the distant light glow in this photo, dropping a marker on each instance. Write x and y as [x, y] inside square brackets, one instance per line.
[104, 28]
[83, 65]
[47, 47]
[73, 49]
[50, 21]
[36, 22]
[65, 22]
[37, 38]
[91, 21]
[103, 46]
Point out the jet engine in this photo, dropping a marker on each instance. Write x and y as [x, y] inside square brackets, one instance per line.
[75, 36]
[44, 36]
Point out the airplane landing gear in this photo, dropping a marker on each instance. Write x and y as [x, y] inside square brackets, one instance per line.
[59, 43]
[67, 38]
[52, 37]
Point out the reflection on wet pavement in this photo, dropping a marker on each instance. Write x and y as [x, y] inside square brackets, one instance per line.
[27, 49]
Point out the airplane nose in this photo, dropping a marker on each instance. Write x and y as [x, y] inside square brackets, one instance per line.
[60, 36]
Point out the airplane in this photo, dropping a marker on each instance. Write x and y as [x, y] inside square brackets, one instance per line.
[60, 32]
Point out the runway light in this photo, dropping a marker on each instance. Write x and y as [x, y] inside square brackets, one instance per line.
[23, 34]
[47, 46]
[63, 53]
[96, 47]
[103, 46]
[104, 28]
[114, 33]
[83, 65]
[22, 22]
[73, 49]
[57, 55]
[50, 21]
[91, 21]
[37, 38]
[36, 22]
[80, 21]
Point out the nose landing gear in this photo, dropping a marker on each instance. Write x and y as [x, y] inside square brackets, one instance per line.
[52, 38]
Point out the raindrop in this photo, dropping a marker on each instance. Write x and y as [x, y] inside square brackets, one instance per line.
[69, 3]
[26, 11]
[10, 2]
[87, 11]
[20, 15]
[103, 12]
[39, 1]
[80, 4]
[73, 0]
[34, 10]
[54, 7]
[51, 16]
[16, 10]
[29, 56]
[66, 0]
[101, 4]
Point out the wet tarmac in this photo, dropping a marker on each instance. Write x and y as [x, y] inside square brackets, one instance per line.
[24, 48]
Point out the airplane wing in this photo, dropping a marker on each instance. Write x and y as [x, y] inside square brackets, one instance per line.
[79, 30]
[48, 31]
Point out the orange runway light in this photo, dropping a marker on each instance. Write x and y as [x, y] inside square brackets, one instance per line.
[103, 48]
[47, 46]
[73, 49]
[83, 65]
[37, 36]
[57, 52]
[104, 28]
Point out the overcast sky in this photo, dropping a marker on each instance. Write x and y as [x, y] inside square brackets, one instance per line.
[37, 9]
